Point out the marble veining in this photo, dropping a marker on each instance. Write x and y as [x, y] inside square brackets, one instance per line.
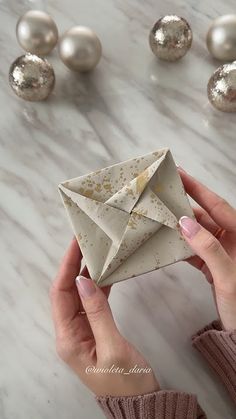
[130, 105]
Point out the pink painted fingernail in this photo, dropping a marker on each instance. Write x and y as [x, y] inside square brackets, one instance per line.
[85, 286]
[189, 227]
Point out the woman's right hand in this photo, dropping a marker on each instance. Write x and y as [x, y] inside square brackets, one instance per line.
[213, 238]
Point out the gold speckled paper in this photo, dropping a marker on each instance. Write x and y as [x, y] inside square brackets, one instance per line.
[125, 216]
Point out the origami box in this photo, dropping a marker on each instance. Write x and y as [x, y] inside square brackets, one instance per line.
[125, 216]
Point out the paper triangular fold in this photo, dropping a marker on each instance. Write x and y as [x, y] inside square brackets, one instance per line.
[125, 217]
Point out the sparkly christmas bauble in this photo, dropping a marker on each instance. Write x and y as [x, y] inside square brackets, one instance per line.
[222, 88]
[37, 32]
[170, 38]
[31, 78]
[80, 49]
[221, 38]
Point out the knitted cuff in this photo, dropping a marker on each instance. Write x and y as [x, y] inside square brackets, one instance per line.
[157, 405]
[219, 349]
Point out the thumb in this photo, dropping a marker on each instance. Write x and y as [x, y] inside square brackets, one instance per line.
[98, 310]
[208, 248]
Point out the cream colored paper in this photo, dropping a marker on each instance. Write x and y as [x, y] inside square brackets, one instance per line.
[125, 216]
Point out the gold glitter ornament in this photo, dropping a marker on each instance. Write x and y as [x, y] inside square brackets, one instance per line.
[222, 88]
[37, 32]
[170, 38]
[31, 78]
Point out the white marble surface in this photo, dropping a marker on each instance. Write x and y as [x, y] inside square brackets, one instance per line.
[130, 105]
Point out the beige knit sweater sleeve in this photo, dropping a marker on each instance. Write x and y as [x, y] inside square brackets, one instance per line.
[219, 350]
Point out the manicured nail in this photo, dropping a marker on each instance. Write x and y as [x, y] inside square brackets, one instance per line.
[180, 168]
[85, 286]
[189, 227]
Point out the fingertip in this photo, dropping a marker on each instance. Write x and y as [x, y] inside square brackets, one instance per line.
[86, 286]
[85, 272]
[75, 241]
[76, 248]
[180, 168]
[189, 227]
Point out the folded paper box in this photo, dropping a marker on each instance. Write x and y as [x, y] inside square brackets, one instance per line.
[125, 216]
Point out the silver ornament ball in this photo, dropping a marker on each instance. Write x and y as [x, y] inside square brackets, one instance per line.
[221, 38]
[37, 32]
[80, 49]
[31, 77]
[222, 88]
[170, 38]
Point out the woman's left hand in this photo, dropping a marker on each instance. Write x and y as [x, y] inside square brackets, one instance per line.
[87, 337]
